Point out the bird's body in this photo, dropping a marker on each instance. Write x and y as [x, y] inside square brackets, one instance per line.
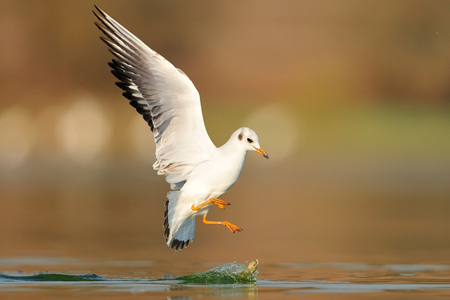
[198, 172]
[206, 180]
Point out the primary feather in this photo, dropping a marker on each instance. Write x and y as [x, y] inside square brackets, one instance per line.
[165, 97]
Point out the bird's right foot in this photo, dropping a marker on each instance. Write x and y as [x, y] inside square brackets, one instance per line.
[220, 203]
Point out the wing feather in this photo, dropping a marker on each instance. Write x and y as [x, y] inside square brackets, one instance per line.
[165, 97]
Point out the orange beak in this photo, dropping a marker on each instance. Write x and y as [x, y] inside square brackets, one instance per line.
[262, 152]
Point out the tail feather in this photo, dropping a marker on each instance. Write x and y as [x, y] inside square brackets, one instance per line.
[179, 224]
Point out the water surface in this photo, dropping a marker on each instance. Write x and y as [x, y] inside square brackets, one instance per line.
[80, 278]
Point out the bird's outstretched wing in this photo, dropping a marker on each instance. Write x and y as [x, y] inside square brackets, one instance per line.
[164, 96]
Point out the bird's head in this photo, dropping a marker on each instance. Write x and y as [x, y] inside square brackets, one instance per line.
[249, 140]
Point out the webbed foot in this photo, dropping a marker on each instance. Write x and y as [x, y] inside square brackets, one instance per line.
[220, 203]
[233, 228]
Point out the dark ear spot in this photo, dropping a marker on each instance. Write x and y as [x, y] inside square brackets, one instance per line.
[240, 136]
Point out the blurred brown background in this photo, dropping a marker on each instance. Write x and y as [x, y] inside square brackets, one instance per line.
[351, 99]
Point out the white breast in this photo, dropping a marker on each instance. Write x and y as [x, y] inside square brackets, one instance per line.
[214, 178]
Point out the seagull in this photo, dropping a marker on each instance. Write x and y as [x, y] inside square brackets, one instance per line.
[198, 172]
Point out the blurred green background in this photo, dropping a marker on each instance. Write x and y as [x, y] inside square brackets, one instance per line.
[351, 99]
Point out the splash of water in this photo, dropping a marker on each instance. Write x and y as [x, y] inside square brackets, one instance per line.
[52, 277]
[224, 274]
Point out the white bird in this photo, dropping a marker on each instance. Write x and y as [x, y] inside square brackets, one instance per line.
[198, 172]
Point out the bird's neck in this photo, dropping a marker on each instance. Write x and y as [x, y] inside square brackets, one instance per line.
[232, 150]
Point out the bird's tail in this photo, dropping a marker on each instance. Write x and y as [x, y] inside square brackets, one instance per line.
[179, 224]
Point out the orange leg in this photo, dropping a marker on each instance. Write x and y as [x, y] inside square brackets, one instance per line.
[220, 203]
[233, 228]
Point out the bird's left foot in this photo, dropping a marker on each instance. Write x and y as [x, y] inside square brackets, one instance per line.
[233, 228]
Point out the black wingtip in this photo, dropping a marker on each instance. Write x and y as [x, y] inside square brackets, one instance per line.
[99, 10]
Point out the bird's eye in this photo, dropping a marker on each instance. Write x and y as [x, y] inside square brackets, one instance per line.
[249, 140]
